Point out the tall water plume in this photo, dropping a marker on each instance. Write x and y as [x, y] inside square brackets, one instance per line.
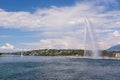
[91, 47]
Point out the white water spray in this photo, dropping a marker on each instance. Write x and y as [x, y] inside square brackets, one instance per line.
[90, 49]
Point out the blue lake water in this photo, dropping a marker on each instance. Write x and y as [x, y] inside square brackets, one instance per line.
[58, 68]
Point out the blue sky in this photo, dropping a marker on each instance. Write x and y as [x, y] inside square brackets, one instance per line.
[32, 5]
[38, 24]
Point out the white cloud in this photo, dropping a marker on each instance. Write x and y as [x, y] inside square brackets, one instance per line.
[63, 43]
[53, 18]
[63, 26]
[116, 33]
[7, 46]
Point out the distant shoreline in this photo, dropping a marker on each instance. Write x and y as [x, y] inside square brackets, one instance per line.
[61, 52]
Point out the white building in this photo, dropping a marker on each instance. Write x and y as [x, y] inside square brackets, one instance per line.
[117, 54]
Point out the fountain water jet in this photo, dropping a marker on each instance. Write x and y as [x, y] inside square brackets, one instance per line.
[91, 48]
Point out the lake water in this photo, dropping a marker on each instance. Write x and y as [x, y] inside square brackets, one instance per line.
[58, 68]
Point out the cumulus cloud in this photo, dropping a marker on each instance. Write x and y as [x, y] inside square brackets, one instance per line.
[60, 18]
[53, 18]
[63, 43]
[63, 26]
[116, 33]
[7, 46]
[56, 18]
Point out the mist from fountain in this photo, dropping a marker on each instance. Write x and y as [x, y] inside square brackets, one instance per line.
[91, 47]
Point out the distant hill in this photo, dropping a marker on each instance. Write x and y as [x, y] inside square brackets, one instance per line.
[114, 48]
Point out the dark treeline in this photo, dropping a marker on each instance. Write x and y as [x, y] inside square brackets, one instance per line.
[1, 53]
[107, 53]
[50, 52]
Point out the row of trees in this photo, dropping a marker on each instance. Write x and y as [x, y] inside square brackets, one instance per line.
[55, 52]
[51, 52]
[107, 53]
[59, 52]
[0, 53]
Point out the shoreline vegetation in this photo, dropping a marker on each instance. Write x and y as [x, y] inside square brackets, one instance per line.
[57, 52]
[1, 53]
